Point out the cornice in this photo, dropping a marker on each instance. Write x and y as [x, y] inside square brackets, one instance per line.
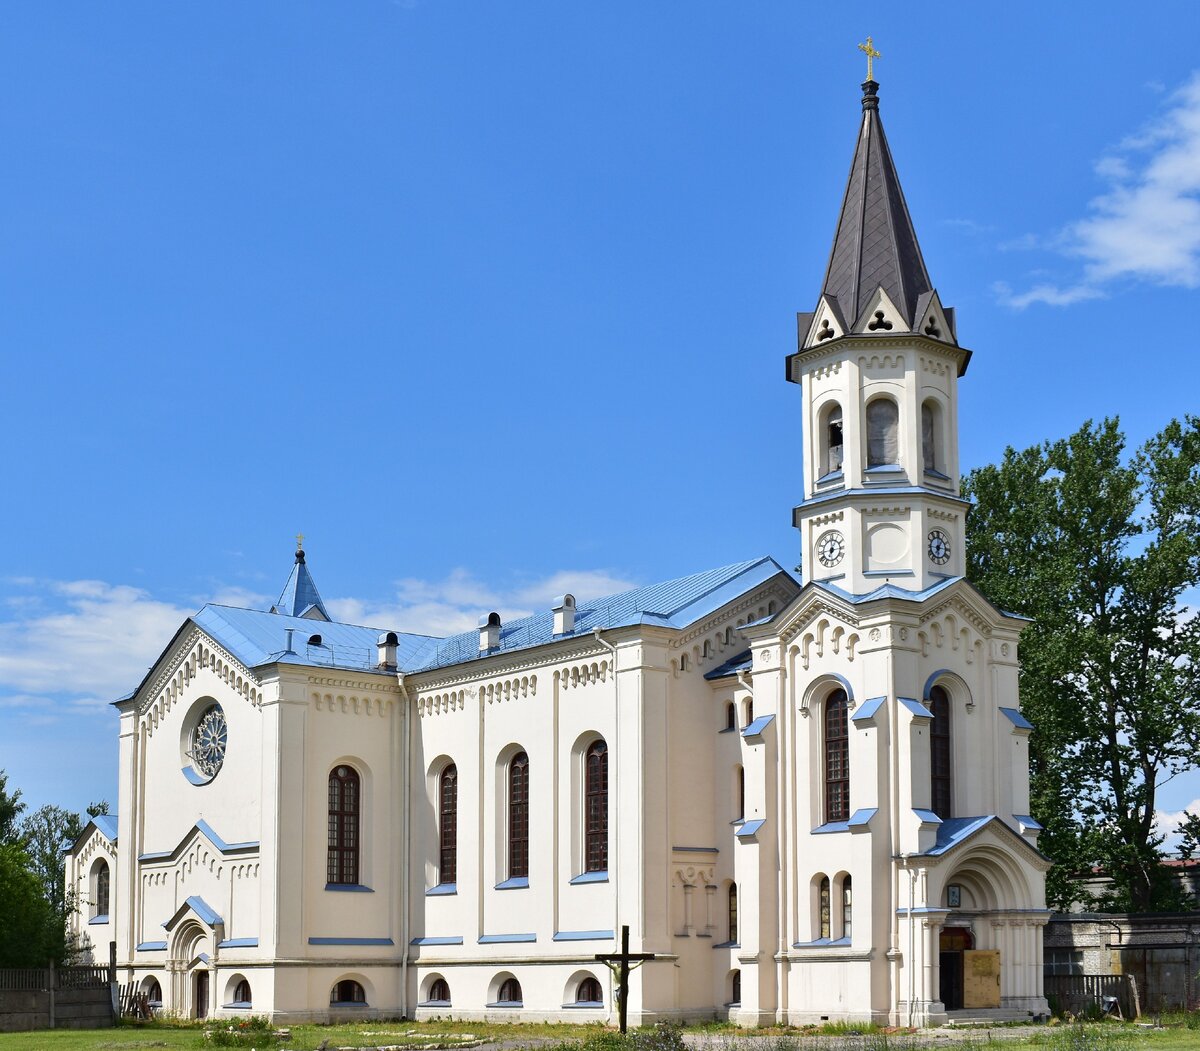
[842, 347]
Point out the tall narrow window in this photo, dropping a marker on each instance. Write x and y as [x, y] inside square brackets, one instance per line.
[741, 792]
[929, 437]
[735, 990]
[730, 716]
[733, 916]
[448, 826]
[344, 813]
[847, 902]
[833, 441]
[823, 907]
[939, 753]
[837, 758]
[883, 424]
[595, 793]
[102, 889]
[518, 816]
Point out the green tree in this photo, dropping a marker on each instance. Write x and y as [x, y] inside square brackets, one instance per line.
[1100, 550]
[11, 809]
[27, 922]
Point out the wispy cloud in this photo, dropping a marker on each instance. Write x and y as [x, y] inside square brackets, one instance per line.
[455, 603]
[73, 646]
[1145, 226]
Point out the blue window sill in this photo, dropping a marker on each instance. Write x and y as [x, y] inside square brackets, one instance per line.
[584, 1005]
[727, 945]
[350, 941]
[832, 476]
[507, 1003]
[831, 826]
[238, 943]
[885, 468]
[514, 883]
[506, 939]
[453, 939]
[434, 1003]
[196, 778]
[151, 946]
[347, 1003]
[728, 730]
[822, 943]
[738, 822]
[932, 473]
[583, 936]
[350, 888]
[240, 1005]
[888, 573]
[99, 919]
[442, 888]
[590, 877]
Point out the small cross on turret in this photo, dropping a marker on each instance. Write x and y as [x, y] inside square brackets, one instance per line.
[871, 53]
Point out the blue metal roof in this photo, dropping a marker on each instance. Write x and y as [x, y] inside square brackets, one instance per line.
[299, 594]
[107, 824]
[739, 662]
[1017, 719]
[257, 638]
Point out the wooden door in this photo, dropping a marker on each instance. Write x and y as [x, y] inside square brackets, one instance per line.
[202, 994]
[981, 978]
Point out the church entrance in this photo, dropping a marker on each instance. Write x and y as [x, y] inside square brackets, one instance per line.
[201, 994]
[953, 943]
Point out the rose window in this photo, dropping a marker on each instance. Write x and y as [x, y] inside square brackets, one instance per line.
[208, 742]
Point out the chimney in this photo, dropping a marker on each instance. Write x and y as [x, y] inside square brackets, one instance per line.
[387, 643]
[489, 632]
[288, 647]
[564, 614]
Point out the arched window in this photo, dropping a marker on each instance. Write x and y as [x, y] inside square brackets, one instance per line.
[847, 902]
[347, 991]
[448, 825]
[741, 792]
[154, 994]
[510, 992]
[749, 712]
[733, 916]
[823, 907]
[837, 758]
[439, 993]
[101, 890]
[731, 716]
[518, 816]
[595, 854]
[589, 992]
[241, 993]
[939, 753]
[345, 798]
[735, 991]
[831, 441]
[931, 437]
[883, 425]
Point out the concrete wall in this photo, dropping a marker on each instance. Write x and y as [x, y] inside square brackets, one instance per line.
[25, 1009]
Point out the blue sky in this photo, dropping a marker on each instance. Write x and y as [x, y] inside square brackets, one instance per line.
[491, 300]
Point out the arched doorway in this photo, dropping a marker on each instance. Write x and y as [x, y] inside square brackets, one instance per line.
[200, 992]
[954, 941]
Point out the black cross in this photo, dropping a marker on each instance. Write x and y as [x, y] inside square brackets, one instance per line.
[618, 963]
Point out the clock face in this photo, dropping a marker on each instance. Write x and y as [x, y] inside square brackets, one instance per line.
[830, 548]
[939, 547]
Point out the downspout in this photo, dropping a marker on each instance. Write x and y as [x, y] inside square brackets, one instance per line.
[910, 958]
[407, 847]
[616, 774]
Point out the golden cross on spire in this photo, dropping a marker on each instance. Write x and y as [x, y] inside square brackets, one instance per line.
[299, 541]
[871, 54]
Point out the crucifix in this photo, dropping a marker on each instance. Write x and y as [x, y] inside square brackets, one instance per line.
[619, 964]
[871, 54]
[299, 541]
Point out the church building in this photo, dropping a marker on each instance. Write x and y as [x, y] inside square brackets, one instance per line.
[807, 796]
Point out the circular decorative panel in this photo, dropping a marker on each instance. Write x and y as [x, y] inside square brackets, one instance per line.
[209, 738]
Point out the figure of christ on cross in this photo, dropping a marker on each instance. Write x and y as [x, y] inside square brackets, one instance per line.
[619, 964]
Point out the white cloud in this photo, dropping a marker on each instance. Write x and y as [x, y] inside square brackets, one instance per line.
[454, 604]
[1146, 225]
[1166, 823]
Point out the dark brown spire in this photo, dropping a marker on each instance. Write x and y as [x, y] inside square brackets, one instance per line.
[875, 243]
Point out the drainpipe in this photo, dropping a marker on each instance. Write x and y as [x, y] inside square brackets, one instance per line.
[405, 846]
[615, 772]
[910, 962]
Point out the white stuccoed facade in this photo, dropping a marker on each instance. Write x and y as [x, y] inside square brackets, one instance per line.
[773, 735]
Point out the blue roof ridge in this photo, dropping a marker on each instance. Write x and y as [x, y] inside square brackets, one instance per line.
[343, 623]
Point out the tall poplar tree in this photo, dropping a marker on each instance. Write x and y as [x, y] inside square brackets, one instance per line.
[1101, 551]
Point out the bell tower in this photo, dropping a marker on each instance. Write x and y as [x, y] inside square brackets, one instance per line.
[878, 364]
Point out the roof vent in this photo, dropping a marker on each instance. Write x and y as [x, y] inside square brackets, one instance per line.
[564, 614]
[387, 643]
[314, 640]
[288, 648]
[489, 632]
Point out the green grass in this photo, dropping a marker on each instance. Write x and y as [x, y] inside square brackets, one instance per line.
[1183, 1035]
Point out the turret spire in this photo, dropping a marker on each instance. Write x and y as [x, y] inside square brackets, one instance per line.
[875, 244]
[299, 597]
